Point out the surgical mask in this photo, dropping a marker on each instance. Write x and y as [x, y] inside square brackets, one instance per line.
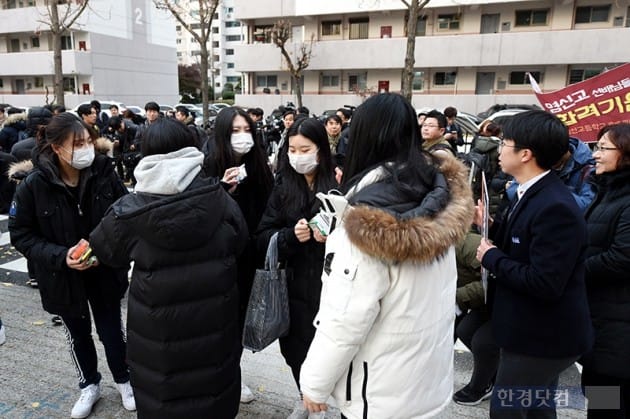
[242, 142]
[303, 163]
[81, 157]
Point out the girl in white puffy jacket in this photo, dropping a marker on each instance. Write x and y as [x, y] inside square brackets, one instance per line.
[384, 341]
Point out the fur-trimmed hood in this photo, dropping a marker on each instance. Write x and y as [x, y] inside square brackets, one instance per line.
[14, 119]
[420, 238]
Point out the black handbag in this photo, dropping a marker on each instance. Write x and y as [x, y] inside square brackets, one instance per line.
[267, 316]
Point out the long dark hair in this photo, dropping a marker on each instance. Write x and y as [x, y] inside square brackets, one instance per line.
[297, 192]
[385, 129]
[258, 170]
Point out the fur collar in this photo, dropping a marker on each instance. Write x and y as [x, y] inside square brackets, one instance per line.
[14, 119]
[422, 239]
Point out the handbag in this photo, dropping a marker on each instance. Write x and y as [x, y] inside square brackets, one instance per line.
[267, 316]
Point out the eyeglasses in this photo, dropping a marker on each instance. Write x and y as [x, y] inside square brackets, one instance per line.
[502, 144]
[598, 147]
[430, 126]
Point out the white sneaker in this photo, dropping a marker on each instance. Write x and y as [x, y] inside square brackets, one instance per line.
[83, 407]
[299, 412]
[3, 336]
[126, 393]
[246, 394]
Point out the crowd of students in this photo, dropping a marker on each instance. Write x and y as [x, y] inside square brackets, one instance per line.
[372, 304]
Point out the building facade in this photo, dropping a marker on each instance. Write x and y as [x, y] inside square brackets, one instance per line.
[226, 32]
[117, 50]
[468, 54]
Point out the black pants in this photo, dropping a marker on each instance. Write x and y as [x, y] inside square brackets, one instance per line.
[475, 331]
[592, 378]
[110, 329]
[520, 375]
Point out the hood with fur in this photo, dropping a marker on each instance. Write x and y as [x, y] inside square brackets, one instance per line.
[422, 238]
[15, 119]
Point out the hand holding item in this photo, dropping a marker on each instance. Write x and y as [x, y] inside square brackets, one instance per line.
[484, 246]
[318, 236]
[80, 256]
[302, 231]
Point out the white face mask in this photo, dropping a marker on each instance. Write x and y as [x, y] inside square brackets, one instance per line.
[304, 163]
[81, 157]
[242, 142]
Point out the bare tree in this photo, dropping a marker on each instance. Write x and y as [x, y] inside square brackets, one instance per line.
[281, 34]
[203, 18]
[59, 18]
[413, 11]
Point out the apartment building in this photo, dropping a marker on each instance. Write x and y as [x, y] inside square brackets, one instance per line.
[118, 49]
[468, 54]
[226, 32]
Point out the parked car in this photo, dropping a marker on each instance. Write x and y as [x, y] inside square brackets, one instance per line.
[505, 106]
[501, 117]
[137, 110]
[218, 106]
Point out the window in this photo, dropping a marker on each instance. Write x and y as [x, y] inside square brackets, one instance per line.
[233, 38]
[262, 33]
[35, 42]
[178, 28]
[520, 77]
[357, 82]
[68, 84]
[179, 54]
[39, 82]
[577, 75]
[531, 17]
[215, 44]
[442, 78]
[448, 22]
[230, 10]
[329, 80]
[266, 81]
[359, 28]
[195, 26]
[66, 42]
[421, 26]
[230, 65]
[193, 40]
[418, 80]
[195, 53]
[229, 51]
[215, 29]
[233, 24]
[331, 27]
[233, 79]
[179, 40]
[590, 14]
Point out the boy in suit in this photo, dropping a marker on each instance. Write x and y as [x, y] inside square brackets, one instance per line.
[540, 316]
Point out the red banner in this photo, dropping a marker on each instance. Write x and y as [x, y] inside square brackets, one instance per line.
[588, 106]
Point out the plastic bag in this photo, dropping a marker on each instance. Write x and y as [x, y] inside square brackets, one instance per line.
[267, 317]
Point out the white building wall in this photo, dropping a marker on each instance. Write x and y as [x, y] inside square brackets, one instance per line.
[553, 49]
[120, 50]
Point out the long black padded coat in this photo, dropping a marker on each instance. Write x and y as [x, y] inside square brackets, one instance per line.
[183, 337]
[305, 260]
[607, 282]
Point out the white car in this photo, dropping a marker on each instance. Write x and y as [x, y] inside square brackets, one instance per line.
[137, 110]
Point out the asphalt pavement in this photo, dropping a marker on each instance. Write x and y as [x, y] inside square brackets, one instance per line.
[37, 378]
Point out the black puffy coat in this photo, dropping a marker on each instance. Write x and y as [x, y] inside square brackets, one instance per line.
[183, 337]
[607, 282]
[46, 219]
[10, 132]
[305, 260]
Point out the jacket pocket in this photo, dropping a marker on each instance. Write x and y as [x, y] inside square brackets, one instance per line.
[339, 285]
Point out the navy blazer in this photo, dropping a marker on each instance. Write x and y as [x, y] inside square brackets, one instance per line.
[538, 294]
